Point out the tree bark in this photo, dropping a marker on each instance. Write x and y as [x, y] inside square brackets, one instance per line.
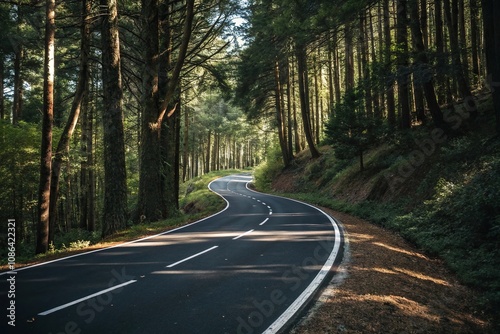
[162, 87]
[304, 98]
[391, 103]
[63, 145]
[18, 85]
[42, 244]
[474, 37]
[440, 48]
[363, 41]
[402, 42]
[279, 119]
[349, 59]
[170, 133]
[115, 175]
[463, 85]
[496, 73]
[427, 77]
[491, 10]
[150, 203]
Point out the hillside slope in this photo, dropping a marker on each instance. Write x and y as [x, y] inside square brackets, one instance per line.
[441, 193]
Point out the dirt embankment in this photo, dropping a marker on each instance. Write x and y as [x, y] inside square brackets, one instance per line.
[390, 287]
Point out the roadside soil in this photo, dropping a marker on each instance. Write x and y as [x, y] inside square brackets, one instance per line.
[387, 286]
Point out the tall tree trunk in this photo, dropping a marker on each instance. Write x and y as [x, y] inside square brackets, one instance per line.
[365, 65]
[496, 73]
[391, 104]
[185, 150]
[491, 12]
[18, 84]
[304, 98]
[279, 113]
[427, 77]
[170, 159]
[42, 244]
[289, 104]
[331, 88]
[150, 203]
[424, 23]
[86, 198]
[463, 85]
[63, 145]
[163, 93]
[349, 58]
[115, 175]
[402, 42]
[170, 133]
[463, 39]
[207, 157]
[474, 17]
[294, 107]
[440, 49]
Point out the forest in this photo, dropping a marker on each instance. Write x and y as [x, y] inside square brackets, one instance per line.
[109, 106]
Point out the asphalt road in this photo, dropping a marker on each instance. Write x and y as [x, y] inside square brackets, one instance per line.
[251, 268]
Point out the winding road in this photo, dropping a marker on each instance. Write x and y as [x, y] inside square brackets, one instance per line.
[251, 268]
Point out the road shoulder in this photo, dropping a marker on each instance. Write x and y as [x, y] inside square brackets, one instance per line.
[387, 286]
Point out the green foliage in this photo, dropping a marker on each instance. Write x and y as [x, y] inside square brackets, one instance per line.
[198, 199]
[75, 239]
[19, 172]
[350, 130]
[266, 172]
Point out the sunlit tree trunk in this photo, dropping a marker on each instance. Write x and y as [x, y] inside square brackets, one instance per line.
[64, 141]
[42, 244]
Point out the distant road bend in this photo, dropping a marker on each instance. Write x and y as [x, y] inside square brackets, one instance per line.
[251, 268]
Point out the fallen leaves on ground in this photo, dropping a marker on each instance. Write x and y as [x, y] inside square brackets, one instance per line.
[391, 287]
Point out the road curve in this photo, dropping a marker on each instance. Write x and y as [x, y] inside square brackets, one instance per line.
[251, 268]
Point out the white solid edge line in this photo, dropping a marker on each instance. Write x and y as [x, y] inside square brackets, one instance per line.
[315, 283]
[55, 309]
[242, 235]
[129, 242]
[192, 256]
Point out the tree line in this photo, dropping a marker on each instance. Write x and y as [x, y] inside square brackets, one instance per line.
[108, 105]
[350, 72]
